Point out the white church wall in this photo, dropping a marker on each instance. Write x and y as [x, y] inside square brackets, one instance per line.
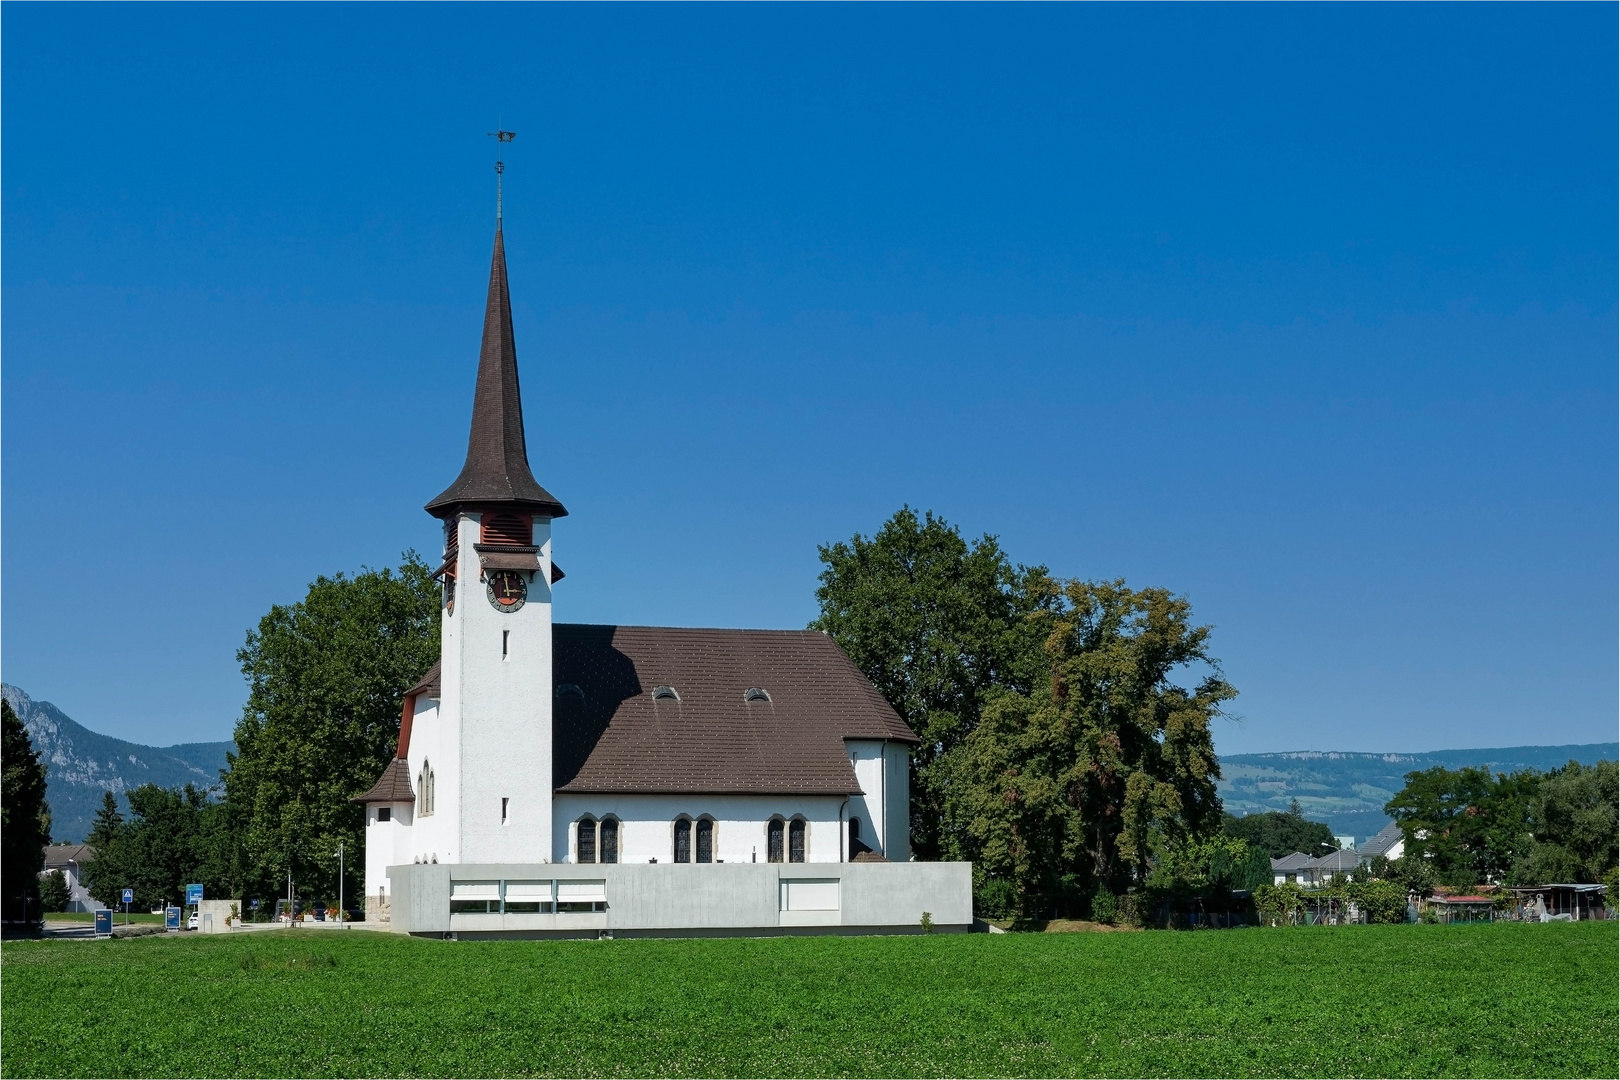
[433, 836]
[866, 755]
[647, 824]
[505, 704]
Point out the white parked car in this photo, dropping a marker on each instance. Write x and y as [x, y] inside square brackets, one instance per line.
[191, 923]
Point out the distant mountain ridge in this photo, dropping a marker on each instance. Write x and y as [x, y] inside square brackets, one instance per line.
[1349, 790]
[80, 764]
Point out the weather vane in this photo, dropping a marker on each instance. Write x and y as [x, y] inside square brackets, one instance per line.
[501, 137]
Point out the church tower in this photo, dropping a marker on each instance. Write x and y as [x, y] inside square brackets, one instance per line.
[492, 779]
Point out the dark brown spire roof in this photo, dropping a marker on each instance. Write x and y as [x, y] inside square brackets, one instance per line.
[497, 468]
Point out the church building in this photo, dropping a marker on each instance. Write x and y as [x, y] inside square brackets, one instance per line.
[557, 778]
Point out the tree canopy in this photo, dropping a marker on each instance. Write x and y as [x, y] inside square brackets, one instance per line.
[1058, 751]
[326, 679]
[169, 840]
[25, 819]
[1280, 834]
[1106, 769]
[939, 625]
[1472, 826]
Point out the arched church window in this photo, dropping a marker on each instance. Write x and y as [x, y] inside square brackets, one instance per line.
[587, 839]
[506, 529]
[705, 840]
[610, 840]
[424, 790]
[796, 840]
[773, 839]
[683, 839]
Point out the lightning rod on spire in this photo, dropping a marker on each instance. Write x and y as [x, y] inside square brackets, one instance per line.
[501, 137]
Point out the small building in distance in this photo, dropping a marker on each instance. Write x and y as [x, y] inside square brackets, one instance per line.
[1390, 843]
[69, 858]
[1287, 870]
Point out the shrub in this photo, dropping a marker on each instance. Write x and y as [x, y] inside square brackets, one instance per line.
[1278, 904]
[1383, 901]
[1104, 906]
[53, 892]
[995, 898]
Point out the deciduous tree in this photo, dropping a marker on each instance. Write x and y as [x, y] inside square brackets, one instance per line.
[326, 677]
[1107, 767]
[939, 625]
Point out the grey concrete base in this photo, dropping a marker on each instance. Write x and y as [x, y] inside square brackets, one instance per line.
[688, 900]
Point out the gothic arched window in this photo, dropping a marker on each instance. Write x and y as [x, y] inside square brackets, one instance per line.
[424, 790]
[796, 840]
[773, 839]
[683, 839]
[586, 846]
[705, 840]
[610, 840]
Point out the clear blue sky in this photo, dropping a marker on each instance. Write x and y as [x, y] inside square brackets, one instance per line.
[1306, 312]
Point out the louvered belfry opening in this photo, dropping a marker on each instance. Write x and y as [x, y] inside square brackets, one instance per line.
[506, 530]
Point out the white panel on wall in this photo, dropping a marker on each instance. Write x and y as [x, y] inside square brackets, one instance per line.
[810, 895]
[581, 891]
[475, 890]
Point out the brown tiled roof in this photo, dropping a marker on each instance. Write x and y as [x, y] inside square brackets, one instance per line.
[711, 741]
[429, 684]
[394, 785]
[497, 467]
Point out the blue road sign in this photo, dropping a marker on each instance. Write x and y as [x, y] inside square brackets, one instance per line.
[171, 918]
[193, 895]
[104, 922]
[129, 896]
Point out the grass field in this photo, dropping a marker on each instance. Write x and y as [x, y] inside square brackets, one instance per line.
[1492, 1000]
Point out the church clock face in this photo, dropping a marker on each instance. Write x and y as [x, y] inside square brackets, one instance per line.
[507, 591]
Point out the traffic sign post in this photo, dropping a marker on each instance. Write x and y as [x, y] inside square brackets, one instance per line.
[193, 895]
[104, 922]
[129, 898]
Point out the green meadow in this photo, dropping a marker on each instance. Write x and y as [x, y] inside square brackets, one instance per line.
[1489, 1000]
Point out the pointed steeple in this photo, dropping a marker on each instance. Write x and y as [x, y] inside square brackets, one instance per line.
[497, 468]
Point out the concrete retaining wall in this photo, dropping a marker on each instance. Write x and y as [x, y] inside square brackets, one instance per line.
[723, 898]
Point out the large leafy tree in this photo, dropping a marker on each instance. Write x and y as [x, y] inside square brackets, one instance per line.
[1106, 767]
[1469, 824]
[1573, 822]
[1281, 834]
[326, 678]
[939, 625]
[25, 819]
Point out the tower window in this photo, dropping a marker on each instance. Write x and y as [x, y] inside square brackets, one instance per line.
[385, 813]
[796, 840]
[754, 693]
[683, 840]
[705, 840]
[587, 839]
[665, 693]
[506, 639]
[513, 530]
[504, 818]
[773, 839]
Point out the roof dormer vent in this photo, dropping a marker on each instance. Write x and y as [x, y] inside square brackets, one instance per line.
[665, 693]
[755, 693]
[569, 692]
